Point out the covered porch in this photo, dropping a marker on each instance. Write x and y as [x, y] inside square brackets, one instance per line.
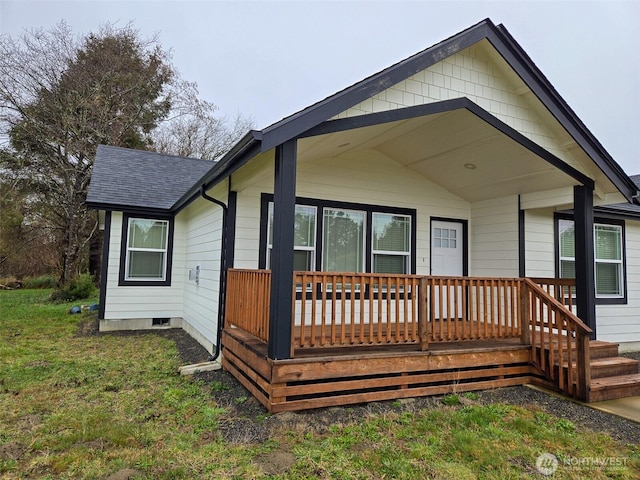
[358, 337]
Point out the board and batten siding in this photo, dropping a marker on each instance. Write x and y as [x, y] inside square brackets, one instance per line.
[203, 244]
[493, 238]
[138, 302]
[480, 74]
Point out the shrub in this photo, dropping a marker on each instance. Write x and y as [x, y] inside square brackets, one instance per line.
[43, 281]
[77, 289]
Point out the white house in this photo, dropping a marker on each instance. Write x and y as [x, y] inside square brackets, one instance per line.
[418, 201]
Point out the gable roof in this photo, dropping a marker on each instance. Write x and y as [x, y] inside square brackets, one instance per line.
[134, 179]
[311, 117]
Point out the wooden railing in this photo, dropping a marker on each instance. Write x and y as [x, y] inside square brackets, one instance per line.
[466, 308]
[351, 309]
[247, 305]
[332, 310]
[562, 289]
[559, 341]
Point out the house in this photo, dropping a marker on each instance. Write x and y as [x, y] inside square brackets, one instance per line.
[445, 224]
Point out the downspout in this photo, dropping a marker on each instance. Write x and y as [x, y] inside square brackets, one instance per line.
[223, 273]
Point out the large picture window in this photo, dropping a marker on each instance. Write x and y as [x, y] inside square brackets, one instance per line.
[609, 257]
[346, 237]
[146, 251]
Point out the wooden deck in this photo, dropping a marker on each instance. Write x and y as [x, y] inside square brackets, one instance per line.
[365, 337]
[338, 376]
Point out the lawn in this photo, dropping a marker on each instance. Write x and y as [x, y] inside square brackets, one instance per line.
[90, 406]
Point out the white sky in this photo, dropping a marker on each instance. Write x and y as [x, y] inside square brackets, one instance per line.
[269, 59]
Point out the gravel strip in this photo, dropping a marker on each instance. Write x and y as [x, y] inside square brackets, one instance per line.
[249, 422]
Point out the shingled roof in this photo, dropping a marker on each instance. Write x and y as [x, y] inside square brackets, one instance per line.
[624, 209]
[134, 179]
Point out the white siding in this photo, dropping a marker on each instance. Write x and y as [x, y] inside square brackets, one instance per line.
[621, 323]
[132, 302]
[539, 242]
[203, 248]
[493, 239]
[615, 323]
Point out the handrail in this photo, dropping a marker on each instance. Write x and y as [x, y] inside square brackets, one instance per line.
[562, 289]
[559, 342]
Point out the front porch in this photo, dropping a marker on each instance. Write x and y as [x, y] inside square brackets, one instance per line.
[366, 337]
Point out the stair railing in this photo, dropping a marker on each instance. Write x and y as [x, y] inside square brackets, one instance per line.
[559, 341]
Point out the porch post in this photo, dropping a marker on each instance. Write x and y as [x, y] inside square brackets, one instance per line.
[284, 201]
[585, 257]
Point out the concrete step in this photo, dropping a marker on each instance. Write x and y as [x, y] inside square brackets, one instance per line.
[620, 386]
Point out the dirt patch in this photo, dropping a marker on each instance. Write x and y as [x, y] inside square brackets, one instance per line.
[12, 451]
[275, 462]
[125, 474]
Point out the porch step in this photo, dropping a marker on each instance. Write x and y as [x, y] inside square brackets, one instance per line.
[609, 367]
[600, 349]
[619, 386]
[613, 367]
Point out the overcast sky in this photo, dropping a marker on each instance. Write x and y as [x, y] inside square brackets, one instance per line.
[268, 59]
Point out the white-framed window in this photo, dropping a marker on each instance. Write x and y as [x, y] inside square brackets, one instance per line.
[608, 252]
[391, 243]
[304, 254]
[146, 250]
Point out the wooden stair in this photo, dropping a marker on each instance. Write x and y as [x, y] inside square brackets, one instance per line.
[612, 376]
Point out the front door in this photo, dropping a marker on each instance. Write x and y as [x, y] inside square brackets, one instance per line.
[447, 248]
[447, 259]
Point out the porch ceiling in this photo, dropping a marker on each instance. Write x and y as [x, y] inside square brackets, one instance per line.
[444, 147]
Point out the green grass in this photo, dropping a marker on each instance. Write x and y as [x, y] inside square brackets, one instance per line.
[86, 407]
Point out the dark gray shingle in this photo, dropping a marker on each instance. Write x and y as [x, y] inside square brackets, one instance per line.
[124, 177]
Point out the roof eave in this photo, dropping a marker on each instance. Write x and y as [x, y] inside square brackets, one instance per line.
[245, 149]
[549, 96]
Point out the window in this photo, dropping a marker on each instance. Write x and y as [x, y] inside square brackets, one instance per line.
[345, 237]
[343, 240]
[146, 247]
[304, 255]
[609, 260]
[391, 243]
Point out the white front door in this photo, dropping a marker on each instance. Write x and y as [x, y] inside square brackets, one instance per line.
[447, 259]
[447, 248]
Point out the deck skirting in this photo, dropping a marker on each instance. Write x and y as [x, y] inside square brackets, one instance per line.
[348, 376]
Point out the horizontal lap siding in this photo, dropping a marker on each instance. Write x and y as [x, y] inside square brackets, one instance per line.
[494, 238]
[365, 178]
[123, 302]
[202, 248]
[539, 242]
[615, 323]
[621, 323]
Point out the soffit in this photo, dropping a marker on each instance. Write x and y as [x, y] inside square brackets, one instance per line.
[438, 147]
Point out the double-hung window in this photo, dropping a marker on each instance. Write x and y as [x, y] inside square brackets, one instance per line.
[146, 247]
[304, 240]
[346, 237]
[609, 257]
[391, 243]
